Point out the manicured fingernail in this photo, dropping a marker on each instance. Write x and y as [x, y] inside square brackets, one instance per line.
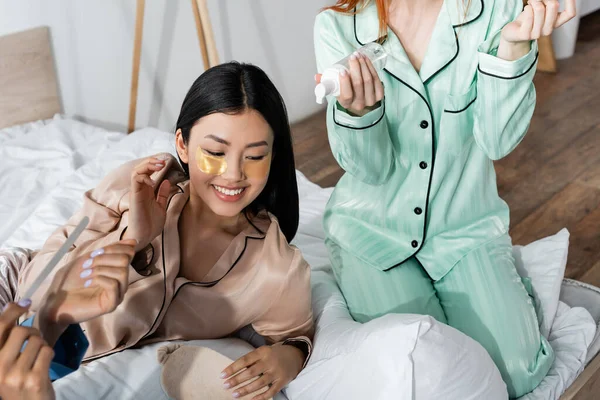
[5, 307]
[24, 303]
[96, 253]
[162, 157]
[227, 385]
[87, 283]
[343, 72]
[223, 375]
[236, 394]
[354, 56]
[86, 273]
[88, 263]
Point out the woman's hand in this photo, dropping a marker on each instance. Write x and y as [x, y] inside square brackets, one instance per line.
[268, 369]
[23, 374]
[147, 211]
[88, 287]
[539, 18]
[361, 89]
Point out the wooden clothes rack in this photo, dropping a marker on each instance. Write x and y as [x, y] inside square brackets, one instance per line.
[206, 39]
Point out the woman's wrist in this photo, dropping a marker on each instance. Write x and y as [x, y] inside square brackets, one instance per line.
[299, 356]
[512, 51]
[128, 234]
[50, 330]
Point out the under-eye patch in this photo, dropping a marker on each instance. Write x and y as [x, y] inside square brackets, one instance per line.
[217, 165]
[257, 169]
[209, 164]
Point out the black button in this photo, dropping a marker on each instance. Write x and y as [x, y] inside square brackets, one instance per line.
[414, 244]
[423, 164]
[424, 124]
[418, 211]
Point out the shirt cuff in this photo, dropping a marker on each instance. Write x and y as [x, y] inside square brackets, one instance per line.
[302, 343]
[372, 118]
[69, 350]
[490, 64]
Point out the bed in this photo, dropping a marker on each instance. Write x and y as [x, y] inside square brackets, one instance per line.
[53, 159]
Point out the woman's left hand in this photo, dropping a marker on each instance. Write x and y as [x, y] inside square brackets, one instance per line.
[268, 367]
[90, 286]
[539, 18]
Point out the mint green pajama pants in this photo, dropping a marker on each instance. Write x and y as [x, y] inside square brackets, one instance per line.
[482, 296]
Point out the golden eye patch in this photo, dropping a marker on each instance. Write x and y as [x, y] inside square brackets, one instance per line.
[217, 165]
[209, 164]
[257, 169]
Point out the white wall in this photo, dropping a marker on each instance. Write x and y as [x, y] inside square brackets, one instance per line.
[588, 7]
[93, 42]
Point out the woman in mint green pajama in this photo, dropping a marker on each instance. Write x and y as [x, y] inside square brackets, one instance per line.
[416, 225]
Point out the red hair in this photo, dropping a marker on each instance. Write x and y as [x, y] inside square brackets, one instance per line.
[348, 6]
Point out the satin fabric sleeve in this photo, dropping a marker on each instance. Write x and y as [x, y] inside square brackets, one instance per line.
[505, 91]
[107, 207]
[289, 318]
[361, 145]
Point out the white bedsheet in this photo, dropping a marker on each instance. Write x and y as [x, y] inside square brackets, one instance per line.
[34, 158]
[46, 167]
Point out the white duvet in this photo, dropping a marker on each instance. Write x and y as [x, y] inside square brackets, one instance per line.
[45, 168]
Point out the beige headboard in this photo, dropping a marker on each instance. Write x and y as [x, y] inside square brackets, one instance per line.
[28, 85]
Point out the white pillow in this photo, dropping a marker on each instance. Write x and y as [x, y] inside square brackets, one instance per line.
[397, 356]
[544, 263]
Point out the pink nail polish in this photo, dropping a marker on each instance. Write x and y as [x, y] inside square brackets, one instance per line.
[87, 283]
[87, 263]
[236, 394]
[227, 385]
[85, 273]
[223, 375]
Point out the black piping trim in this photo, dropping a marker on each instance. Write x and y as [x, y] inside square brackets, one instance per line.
[449, 62]
[381, 40]
[432, 126]
[364, 127]
[145, 269]
[512, 77]
[97, 356]
[355, 34]
[430, 172]
[474, 19]
[455, 35]
[459, 111]
[164, 269]
[213, 283]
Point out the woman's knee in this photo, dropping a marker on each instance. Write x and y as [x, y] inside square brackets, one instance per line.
[371, 293]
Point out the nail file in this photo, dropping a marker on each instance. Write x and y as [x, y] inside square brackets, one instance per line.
[57, 257]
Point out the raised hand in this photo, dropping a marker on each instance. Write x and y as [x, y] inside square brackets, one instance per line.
[147, 211]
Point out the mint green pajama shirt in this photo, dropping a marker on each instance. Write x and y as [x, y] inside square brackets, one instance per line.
[416, 225]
